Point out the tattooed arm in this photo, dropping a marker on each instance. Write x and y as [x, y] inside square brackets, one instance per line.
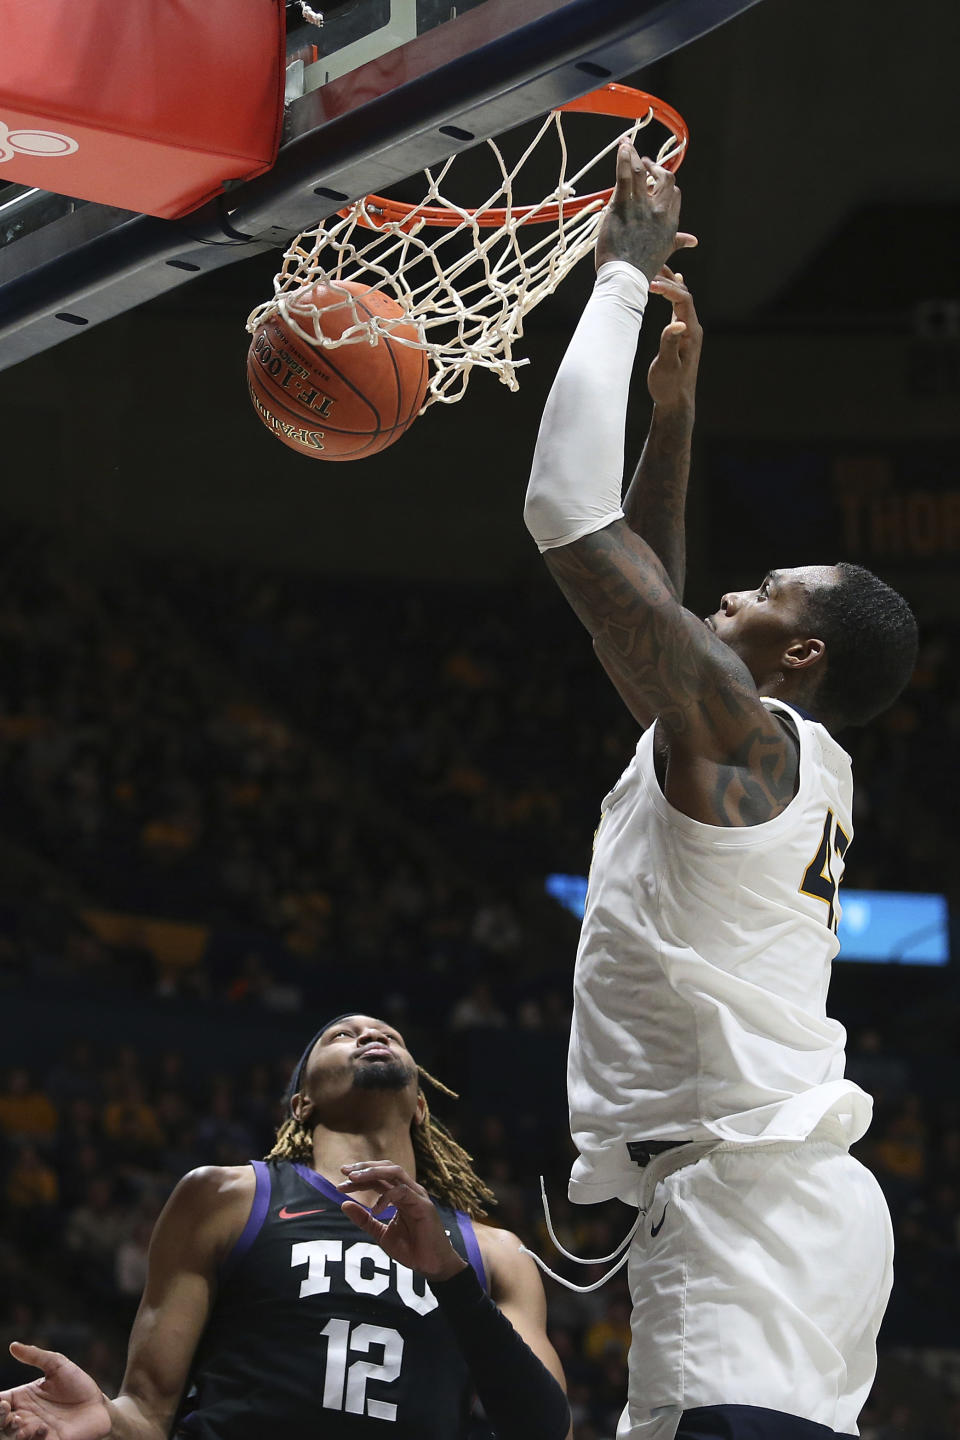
[654, 503]
[730, 761]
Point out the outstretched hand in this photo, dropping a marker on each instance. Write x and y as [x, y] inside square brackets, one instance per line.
[640, 224]
[66, 1404]
[672, 377]
[414, 1235]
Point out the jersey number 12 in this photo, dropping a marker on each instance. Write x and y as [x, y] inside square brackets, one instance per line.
[345, 1385]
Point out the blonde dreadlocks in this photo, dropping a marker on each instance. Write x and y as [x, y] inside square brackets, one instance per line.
[443, 1166]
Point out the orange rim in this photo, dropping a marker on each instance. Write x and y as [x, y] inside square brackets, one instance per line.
[620, 101]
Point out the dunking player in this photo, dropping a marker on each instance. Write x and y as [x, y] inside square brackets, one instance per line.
[705, 1080]
[268, 1312]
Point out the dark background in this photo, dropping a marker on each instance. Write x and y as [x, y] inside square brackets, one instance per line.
[333, 721]
[822, 180]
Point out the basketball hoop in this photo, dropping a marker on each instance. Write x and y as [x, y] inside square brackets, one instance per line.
[619, 101]
[467, 289]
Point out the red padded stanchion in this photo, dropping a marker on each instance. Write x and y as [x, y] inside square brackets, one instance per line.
[148, 104]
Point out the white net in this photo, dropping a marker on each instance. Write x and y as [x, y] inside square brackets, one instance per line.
[466, 287]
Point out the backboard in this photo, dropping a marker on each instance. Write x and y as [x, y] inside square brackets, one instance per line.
[381, 90]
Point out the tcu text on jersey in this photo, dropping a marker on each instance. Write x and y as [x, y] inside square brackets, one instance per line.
[363, 1268]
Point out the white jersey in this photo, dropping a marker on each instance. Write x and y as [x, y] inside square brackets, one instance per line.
[702, 973]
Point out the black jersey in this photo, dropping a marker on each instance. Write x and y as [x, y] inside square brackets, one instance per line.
[317, 1332]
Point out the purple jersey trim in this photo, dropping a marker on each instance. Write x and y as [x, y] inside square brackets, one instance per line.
[472, 1247]
[319, 1183]
[258, 1213]
[470, 1244]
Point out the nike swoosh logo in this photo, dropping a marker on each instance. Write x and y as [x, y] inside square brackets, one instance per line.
[286, 1214]
[655, 1229]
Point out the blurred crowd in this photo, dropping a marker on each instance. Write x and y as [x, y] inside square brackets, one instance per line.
[354, 793]
[92, 1142]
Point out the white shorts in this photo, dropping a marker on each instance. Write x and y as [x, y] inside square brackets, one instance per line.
[759, 1277]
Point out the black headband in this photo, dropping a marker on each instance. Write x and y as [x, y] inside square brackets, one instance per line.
[297, 1077]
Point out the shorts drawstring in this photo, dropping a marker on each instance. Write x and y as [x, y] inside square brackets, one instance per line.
[620, 1254]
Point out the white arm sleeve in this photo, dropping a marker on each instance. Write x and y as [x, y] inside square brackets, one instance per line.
[576, 483]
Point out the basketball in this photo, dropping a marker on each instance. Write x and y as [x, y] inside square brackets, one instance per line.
[341, 404]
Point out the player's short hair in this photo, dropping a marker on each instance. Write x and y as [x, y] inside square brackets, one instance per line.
[870, 635]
